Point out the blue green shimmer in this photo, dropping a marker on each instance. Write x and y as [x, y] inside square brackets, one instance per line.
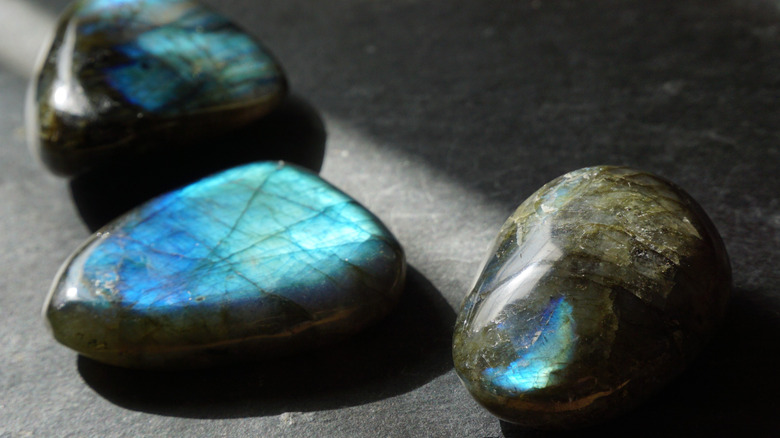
[540, 351]
[265, 252]
[175, 56]
[599, 289]
[130, 78]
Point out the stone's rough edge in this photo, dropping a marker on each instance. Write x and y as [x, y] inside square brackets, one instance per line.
[391, 292]
[719, 255]
[154, 131]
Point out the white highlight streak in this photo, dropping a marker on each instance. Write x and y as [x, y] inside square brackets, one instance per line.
[72, 292]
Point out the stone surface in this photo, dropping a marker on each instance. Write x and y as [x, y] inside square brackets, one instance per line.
[446, 158]
[124, 76]
[258, 260]
[601, 287]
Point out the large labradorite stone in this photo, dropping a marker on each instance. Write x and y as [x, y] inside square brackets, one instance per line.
[601, 287]
[124, 76]
[259, 260]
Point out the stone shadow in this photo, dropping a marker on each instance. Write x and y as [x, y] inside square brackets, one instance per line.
[294, 132]
[406, 350]
[730, 390]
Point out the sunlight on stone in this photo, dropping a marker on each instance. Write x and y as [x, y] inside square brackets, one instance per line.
[414, 197]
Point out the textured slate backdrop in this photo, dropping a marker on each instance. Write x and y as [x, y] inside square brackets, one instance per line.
[441, 116]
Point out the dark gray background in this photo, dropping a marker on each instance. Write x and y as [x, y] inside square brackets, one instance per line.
[441, 116]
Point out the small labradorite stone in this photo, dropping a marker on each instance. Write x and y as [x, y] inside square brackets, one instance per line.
[124, 76]
[600, 289]
[255, 261]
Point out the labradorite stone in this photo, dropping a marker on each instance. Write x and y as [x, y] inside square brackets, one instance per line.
[601, 288]
[124, 76]
[258, 260]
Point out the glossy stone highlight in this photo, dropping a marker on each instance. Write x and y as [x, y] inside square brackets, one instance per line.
[259, 260]
[124, 76]
[600, 289]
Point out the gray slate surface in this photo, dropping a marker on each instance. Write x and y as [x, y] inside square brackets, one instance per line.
[441, 116]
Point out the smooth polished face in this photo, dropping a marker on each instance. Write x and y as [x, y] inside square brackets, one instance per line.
[601, 287]
[255, 261]
[124, 76]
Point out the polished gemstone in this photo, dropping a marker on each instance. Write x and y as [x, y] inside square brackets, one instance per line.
[258, 260]
[601, 287]
[124, 76]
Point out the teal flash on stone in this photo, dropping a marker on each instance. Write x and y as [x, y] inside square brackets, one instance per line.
[599, 290]
[256, 261]
[124, 76]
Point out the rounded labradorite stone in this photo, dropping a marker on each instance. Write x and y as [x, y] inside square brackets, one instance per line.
[600, 289]
[125, 76]
[250, 263]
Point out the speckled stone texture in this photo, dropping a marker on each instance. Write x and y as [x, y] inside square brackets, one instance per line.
[255, 261]
[601, 287]
[442, 116]
[124, 76]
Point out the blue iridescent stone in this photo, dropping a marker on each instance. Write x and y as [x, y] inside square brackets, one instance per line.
[125, 76]
[259, 260]
[601, 288]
